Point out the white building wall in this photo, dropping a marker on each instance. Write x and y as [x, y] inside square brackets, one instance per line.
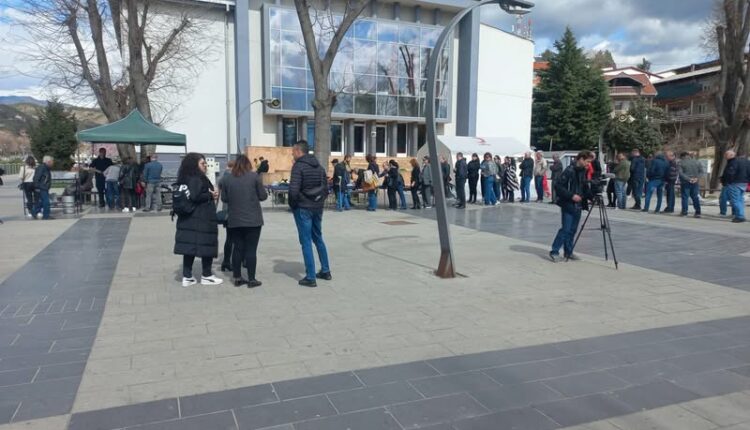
[505, 85]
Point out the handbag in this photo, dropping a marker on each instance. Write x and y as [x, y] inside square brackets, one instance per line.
[221, 217]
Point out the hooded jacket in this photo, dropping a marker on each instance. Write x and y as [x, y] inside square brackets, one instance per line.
[658, 169]
[306, 176]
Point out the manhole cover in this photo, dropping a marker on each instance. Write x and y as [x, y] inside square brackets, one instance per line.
[398, 223]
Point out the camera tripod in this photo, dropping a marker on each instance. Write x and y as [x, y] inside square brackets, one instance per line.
[604, 227]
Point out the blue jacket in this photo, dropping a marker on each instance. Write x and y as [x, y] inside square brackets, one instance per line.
[637, 168]
[658, 168]
[152, 172]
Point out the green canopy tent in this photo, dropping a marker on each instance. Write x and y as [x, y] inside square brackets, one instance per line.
[134, 129]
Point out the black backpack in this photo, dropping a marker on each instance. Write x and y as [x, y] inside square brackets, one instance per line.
[318, 192]
[181, 203]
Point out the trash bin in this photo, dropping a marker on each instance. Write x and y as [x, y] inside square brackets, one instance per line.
[69, 205]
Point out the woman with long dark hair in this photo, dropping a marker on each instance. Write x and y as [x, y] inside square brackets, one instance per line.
[26, 176]
[391, 180]
[372, 195]
[510, 179]
[197, 232]
[128, 180]
[416, 184]
[243, 191]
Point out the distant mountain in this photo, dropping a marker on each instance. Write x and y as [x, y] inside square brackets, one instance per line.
[14, 100]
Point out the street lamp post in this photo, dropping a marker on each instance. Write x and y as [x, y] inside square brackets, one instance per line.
[446, 267]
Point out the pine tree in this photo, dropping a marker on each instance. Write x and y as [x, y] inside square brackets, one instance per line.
[645, 65]
[54, 135]
[571, 103]
[602, 59]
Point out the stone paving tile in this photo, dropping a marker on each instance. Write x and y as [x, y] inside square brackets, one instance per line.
[212, 402]
[516, 396]
[377, 419]
[285, 412]
[663, 418]
[125, 416]
[436, 410]
[516, 419]
[714, 383]
[586, 383]
[457, 383]
[579, 410]
[373, 396]
[398, 372]
[316, 385]
[724, 410]
[654, 395]
[215, 421]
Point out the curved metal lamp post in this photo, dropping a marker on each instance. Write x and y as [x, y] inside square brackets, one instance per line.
[446, 267]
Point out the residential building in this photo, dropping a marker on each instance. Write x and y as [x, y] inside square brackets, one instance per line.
[626, 85]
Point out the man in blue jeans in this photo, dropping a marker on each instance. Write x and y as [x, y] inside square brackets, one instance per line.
[527, 172]
[308, 189]
[657, 171]
[736, 175]
[690, 171]
[42, 183]
[572, 193]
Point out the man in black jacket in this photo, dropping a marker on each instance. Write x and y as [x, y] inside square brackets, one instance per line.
[527, 173]
[572, 193]
[637, 177]
[263, 166]
[670, 180]
[735, 177]
[42, 183]
[462, 174]
[308, 189]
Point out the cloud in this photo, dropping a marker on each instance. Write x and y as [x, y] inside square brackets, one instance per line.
[666, 32]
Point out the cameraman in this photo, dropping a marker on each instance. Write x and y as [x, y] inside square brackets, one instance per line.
[573, 191]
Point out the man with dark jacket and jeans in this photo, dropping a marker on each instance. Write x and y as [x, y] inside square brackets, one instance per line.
[308, 188]
[735, 177]
[670, 179]
[42, 183]
[527, 172]
[690, 171]
[572, 193]
[462, 174]
[657, 171]
[637, 175]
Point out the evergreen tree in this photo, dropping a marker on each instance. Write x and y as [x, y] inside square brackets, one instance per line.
[571, 103]
[645, 65]
[603, 59]
[54, 135]
[639, 128]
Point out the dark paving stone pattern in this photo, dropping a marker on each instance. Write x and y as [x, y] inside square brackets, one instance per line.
[50, 310]
[532, 388]
[709, 257]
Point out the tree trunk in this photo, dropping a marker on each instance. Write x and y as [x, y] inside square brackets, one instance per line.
[323, 110]
[718, 165]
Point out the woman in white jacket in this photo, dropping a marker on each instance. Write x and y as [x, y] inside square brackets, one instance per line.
[26, 178]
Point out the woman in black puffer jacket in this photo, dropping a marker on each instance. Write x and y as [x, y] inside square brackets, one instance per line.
[197, 234]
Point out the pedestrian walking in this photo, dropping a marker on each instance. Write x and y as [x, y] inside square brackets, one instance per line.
[462, 174]
[243, 191]
[736, 175]
[571, 197]
[152, 177]
[197, 233]
[26, 179]
[690, 172]
[42, 184]
[308, 188]
[473, 168]
[540, 172]
[489, 172]
[415, 184]
[527, 173]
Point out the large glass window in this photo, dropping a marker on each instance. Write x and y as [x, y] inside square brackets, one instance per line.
[337, 144]
[380, 69]
[359, 139]
[311, 134]
[381, 132]
[288, 132]
[401, 139]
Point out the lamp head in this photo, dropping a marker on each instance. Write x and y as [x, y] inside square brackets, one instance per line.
[273, 103]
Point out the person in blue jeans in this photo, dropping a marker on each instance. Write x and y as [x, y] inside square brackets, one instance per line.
[341, 179]
[690, 172]
[736, 176]
[42, 183]
[488, 169]
[308, 189]
[656, 172]
[571, 192]
[527, 173]
[724, 200]
[372, 196]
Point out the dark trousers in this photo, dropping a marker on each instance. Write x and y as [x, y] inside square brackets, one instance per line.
[510, 195]
[461, 191]
[415, 196]
[571, 216]
[42, 204]
[637, 189]
[128, 198]
[496, 189]
[187, 265]
[669, 188]
[473, 180]
[539, 186]
[611, 194]
[31, 196]
[100, 181]
[691, 192]
[427, 195]
[245, 241]
[392, 202]
[227, 261]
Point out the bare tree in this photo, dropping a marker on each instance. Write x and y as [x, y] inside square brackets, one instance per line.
[332, 30]
[731, 128]
[117, 52]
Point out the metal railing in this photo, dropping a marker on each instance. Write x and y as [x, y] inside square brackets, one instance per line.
[11, 168]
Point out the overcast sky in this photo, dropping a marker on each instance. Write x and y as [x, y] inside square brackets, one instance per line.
[667, 32]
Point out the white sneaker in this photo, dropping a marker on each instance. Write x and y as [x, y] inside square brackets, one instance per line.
[132, 209]
[186, 282]
[126, 210]
[211, 280]
[29, 216]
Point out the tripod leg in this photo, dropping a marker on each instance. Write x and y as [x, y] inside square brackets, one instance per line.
[603, 226]
[611, 242]
[583, 226]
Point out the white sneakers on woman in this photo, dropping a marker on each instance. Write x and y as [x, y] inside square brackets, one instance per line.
[205, 280]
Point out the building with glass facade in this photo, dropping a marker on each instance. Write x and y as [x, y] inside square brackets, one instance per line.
[379, 76]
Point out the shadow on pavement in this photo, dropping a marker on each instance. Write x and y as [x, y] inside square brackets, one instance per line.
[539, 252]
[293, 269]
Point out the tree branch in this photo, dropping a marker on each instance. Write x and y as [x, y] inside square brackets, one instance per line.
[154, 62]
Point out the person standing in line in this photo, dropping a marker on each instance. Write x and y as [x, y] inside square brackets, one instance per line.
[262, 166]
[724, 198]
[527, 172]
[510, 181]
[571, 197]
[670, 180]
[497, 183]
[372, 195]
[658, 169]
[152, 176]
[26, 177]
[473, 168]
[100, 164]
[426, 180]
[400, 188]
[112, 179]
[690, 172]
[391, 184]
[637, 175]
[540, 171]
[197, 233]
[622, 176]
[42, 184]
[226, 262]
[341, 179]
[736, 175]
[556, 170]
[489, 172]
[308, 188]
[243, 191]
[415, 184]
[462, 174]
[445, 170]
[128, 179]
